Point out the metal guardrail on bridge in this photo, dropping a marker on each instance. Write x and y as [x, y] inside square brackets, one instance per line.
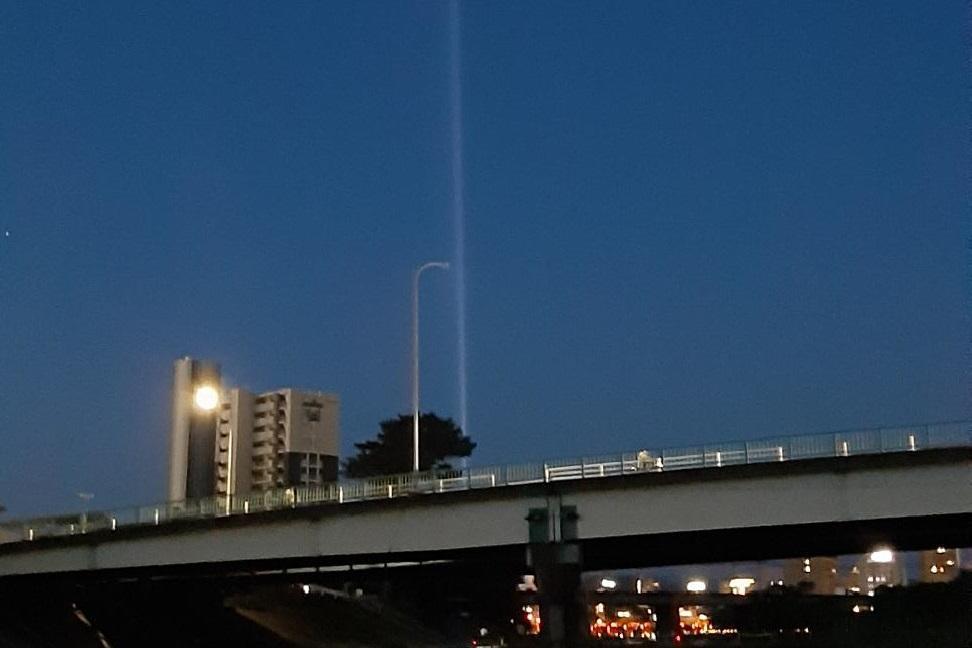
[787, 448]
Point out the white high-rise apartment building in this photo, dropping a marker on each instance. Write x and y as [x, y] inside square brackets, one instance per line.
[281, 438]
[192, 435]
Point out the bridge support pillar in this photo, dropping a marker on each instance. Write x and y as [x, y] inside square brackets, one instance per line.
[555, 557]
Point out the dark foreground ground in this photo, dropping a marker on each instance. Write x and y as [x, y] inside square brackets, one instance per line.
[138, 614]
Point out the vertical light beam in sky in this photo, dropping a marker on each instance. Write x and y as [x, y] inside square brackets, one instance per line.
[458, 203]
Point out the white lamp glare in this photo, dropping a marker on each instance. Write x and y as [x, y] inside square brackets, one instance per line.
[206, 398]
[696, 586]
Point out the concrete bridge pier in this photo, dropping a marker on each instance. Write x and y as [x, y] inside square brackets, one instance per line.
[555, 556]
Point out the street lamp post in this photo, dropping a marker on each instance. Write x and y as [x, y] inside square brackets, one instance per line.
[415, 356]
[86, 498]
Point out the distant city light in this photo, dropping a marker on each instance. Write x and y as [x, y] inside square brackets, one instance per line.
[696, 586]
[882, 556]
[741, 585]
[608, 583]
[940, 550]
[206, 398]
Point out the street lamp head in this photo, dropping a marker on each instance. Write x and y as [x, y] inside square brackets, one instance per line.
[206, 398]
[444, 265]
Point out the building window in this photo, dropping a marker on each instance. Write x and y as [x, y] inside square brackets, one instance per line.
[312, 411]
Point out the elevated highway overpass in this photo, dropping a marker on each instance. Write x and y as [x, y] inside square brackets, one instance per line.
[812, 495]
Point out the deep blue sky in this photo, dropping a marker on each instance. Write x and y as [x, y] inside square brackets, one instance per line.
[685, 221]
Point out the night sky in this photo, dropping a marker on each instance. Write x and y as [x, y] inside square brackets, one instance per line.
[684, 222]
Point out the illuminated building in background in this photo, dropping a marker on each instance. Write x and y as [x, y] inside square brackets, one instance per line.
[816, 575]
[696, 586]
[645, 584]
[192, 432]
[694, 620]
[235, 442]
[530, 623]
[623, 623]
[607, 584]
[629, 581]
[880, 568]
[739, 585]
[939, 565]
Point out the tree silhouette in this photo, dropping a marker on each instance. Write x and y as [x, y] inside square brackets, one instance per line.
[391, 451]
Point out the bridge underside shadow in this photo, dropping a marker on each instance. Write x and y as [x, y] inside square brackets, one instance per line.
[618, 552]
[789, 541]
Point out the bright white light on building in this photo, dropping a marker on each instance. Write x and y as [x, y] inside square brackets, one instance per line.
[940, 550]
[624, 614]
[608, 583]
[206, 398]
[306, 589]
[741, 585]
[882, 556]
[696, 586]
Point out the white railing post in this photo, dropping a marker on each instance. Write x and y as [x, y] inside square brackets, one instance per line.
[156, 516]
[718, 459]
[340, 494]
[546, 472]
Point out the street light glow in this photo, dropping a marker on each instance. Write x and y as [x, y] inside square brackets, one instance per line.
[741, 585]
[206, 398]
[882, 556]
[696, 586]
